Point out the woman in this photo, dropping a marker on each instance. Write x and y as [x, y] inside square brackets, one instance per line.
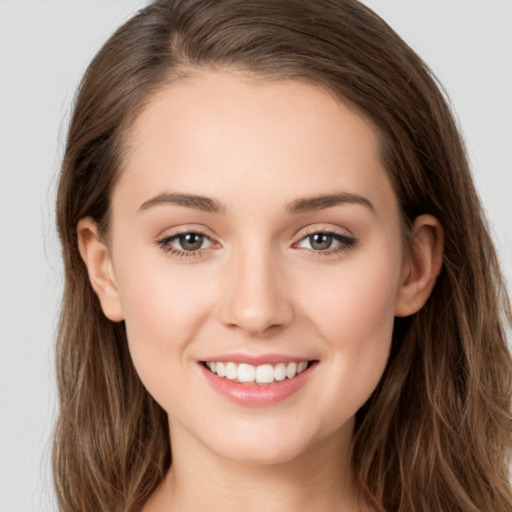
[280, 290]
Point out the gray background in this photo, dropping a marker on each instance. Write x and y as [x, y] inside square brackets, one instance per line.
[44, 48]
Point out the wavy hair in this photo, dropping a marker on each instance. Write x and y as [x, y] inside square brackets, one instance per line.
[435, 436]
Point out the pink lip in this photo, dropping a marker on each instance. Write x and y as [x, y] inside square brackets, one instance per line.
[254, 394]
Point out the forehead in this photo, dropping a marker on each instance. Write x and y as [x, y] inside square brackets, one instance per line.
[219, 131]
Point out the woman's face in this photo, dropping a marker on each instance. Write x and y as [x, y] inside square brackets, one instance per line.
[254, 227]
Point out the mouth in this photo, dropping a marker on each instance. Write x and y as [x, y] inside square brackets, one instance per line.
[269, 381]
[260, 375]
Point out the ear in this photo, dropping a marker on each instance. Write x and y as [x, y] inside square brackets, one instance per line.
[422, 265]
[97, 259]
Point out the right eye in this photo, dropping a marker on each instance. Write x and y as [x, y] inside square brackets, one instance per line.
[185, 244]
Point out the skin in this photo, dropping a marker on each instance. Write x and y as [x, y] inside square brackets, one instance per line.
[257, 285]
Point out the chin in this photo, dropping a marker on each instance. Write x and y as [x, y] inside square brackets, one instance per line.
[260, 453]
[263, 443]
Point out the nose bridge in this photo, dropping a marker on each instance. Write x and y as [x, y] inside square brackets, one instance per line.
[256, 299]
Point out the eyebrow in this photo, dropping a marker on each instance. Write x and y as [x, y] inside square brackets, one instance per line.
[309, 204]
[305, 204]
[196, 202]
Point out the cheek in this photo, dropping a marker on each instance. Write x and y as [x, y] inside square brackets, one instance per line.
[163, 313]
[159, 297]
[358, 295]
[357, 308]
[354, 314]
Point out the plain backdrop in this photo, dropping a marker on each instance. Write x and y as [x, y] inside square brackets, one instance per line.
[45, 46]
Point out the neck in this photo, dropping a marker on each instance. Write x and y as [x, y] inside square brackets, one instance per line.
[314, 480]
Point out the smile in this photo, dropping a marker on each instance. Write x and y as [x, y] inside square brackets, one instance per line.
[259, 384]
[262, 374]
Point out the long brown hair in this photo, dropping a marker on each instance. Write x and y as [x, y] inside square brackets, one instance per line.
[436, 434]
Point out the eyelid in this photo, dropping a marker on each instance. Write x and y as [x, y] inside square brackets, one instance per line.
[323, 228]
[182, 229]
[326, 227]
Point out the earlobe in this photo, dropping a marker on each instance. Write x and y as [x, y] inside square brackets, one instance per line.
[422, 266]
[97, 259]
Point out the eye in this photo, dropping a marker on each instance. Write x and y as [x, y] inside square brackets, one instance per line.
[320, 241]
[325, 241]
[185, 244]
[191, 241]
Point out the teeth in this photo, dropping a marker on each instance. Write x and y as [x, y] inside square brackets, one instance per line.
[301, 366]
[263, 374]
[280, 371]
[291, 370]
[231, 371]
[220, 369]
[246, 373]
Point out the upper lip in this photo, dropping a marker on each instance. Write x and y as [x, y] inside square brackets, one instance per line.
[256, 360]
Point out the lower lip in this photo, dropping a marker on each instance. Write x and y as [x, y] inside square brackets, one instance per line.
[254, 394]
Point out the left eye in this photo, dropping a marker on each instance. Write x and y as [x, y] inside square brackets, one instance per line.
[323, 241]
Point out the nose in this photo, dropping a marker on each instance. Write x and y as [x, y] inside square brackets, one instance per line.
[256, 299]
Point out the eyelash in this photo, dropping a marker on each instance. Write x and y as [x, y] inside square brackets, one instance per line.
[344, 243]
